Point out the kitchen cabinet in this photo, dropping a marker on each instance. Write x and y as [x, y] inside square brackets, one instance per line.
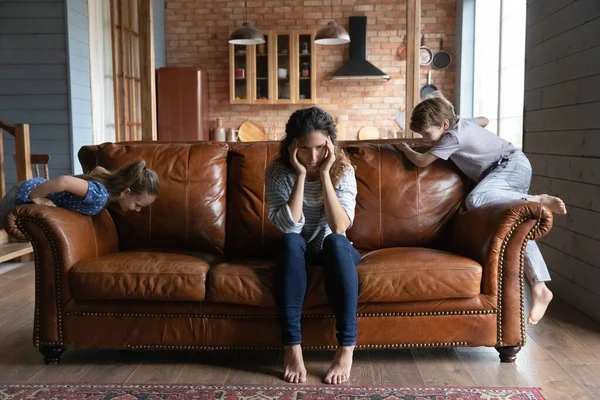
[280, 71]
[306, 66]
[240, 65]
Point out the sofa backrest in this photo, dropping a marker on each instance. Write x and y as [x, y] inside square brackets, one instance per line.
[249, 231]
[190, 209]
[213, 197]
[397, 203]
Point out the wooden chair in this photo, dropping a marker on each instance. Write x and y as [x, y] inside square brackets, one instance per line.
[36, 161]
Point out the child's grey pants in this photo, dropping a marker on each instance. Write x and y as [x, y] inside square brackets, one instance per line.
[510, 180]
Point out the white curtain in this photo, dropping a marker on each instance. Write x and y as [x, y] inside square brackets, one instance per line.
[101, 71]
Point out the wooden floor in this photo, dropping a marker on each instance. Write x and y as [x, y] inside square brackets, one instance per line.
[562, 356]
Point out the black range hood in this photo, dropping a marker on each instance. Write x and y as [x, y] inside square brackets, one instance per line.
[357, 67]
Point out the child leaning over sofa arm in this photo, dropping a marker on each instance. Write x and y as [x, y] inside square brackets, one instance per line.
[131, 187]
[500, 170]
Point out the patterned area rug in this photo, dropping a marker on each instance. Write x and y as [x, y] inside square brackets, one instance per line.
[177, 392]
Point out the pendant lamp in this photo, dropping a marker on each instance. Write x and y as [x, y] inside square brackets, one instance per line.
[332, 33]
[246, 34]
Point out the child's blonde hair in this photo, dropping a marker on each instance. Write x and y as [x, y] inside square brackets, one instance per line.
[432, 112]
[135, 176]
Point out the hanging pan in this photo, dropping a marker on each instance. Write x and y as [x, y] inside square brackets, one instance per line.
[428, 89]
[402, 50]
[442, 58]
[425, 53]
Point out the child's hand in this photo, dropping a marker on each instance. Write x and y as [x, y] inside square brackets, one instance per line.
[405, 147]
[43, 201]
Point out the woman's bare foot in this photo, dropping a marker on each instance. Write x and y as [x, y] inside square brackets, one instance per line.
[339, 371]
[542, 296]
[294, 372]
[555, 204]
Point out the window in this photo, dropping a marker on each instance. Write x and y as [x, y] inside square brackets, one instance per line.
[493, 65]
[126, 64]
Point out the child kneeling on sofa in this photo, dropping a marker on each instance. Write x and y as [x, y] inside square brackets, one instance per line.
[500, 170]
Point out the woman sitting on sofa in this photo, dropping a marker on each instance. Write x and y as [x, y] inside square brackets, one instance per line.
[311, 191]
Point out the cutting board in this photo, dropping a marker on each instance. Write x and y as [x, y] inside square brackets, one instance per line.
[342, 130]
[368, 132]
[251, 131]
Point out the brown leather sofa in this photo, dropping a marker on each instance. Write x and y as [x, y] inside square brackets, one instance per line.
[194, 271]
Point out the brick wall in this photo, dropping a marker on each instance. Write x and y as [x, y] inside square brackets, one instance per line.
[562, 139]
[197, 33]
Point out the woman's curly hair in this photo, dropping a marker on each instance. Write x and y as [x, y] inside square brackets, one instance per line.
[305, 121]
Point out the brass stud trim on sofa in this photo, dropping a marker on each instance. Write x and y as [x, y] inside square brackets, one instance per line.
[500, 276]
[222, 316]
[522, 281]
[425, 313]
[521, 276]
[359, 346]
[36, 334]
[59, 309]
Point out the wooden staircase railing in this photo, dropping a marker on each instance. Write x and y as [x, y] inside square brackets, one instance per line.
[22, 152]
[10, 249]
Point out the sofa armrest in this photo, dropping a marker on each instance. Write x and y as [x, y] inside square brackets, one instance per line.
[60, 239]
[496, 235]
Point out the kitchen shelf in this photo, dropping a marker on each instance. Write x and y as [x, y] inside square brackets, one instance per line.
[269, 88]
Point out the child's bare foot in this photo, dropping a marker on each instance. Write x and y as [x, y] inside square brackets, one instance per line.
[339, 371]
[555, 204]
[542, 296]
[294, 372]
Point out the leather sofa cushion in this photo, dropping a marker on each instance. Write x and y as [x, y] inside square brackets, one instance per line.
[249, 282]
[140, 276]
[416, 274]
[385, 276]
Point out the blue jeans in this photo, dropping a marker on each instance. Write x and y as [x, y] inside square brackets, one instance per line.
[339, 260]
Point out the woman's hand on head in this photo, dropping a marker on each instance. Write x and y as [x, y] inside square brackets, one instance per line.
[329, 159]
[293, 150]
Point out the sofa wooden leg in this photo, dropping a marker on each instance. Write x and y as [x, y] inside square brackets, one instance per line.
[508, 354]
[52, 354]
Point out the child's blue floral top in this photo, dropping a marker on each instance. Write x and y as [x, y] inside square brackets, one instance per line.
[91, 204]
